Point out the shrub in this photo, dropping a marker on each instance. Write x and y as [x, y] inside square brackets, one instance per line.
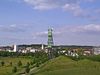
[10, 63]
[2, 63]
[14, 70]
[27, 69]
[19, 63]
[37, 64]
[31, 63]
[28, 64]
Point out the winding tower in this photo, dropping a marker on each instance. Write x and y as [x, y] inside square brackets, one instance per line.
[50, 44]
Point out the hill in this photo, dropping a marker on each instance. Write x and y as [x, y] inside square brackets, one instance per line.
[66, 66]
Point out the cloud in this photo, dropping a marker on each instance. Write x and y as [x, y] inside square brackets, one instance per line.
[42, 4]
[89, 0]
[69, 30]
[87, 28]
[41, 34]
[74, 9]
[13, 25]
[72, 6]
[11, 28]
[49, 4]
[44, 34]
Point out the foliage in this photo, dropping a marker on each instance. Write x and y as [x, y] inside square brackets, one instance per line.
[28, 60]
[10, 63]
[37, 64]
[94, 58]
[19, 63]
[14, 69]
[81, 57]
[28, 64]
[7, 68]
[2, 63]
[27, 69]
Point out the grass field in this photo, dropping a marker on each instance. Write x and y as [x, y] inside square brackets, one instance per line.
[61, 65]
[7, 68]
[66, 66]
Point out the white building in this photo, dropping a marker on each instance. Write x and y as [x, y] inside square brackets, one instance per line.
[33, 50]
[96, 50]
[15, 48]
[42, 47]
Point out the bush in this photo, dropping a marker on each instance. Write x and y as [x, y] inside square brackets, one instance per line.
[14, 70]
[2, 63]
[27, 69]
[28, 64]
[37, 64]
[31, 63]
[19, 63]
[10, 63]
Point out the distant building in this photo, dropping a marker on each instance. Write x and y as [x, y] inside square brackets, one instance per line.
[87, 52]
[42, 47]
[33, 50]
[96, 50]
[15, 48]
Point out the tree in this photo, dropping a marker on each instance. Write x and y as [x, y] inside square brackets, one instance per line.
[80, 51]
[19, 63]
[2, 63]
[14, 70]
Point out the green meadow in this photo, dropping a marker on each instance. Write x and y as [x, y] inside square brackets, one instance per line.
[66, 66]
[10, 62]
[61, 65]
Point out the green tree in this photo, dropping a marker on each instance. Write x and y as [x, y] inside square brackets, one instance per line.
[80, 51]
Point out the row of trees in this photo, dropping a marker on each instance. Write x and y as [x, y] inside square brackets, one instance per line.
[38, 58]
[81, 57]
[10, 63]
[14, 54]
[27, 67]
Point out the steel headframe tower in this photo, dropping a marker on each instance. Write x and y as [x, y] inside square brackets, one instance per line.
[50, 44]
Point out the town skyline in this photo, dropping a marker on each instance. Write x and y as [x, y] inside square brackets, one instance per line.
[74, 22]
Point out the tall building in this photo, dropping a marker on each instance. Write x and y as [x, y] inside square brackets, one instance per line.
[42, 47]
[15, 48]
[50, 44]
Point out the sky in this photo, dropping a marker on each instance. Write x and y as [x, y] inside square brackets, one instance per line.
[74, 22]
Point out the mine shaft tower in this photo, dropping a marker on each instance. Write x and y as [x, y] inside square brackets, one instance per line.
[50, 44]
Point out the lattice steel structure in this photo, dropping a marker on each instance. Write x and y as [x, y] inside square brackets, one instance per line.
[50, 44]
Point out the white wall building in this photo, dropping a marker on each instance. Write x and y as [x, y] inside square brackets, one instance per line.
[15, 48]
[42, 47]
[33, 50]
[96, 50]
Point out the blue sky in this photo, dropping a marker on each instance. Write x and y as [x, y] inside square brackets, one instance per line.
[75, 22]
